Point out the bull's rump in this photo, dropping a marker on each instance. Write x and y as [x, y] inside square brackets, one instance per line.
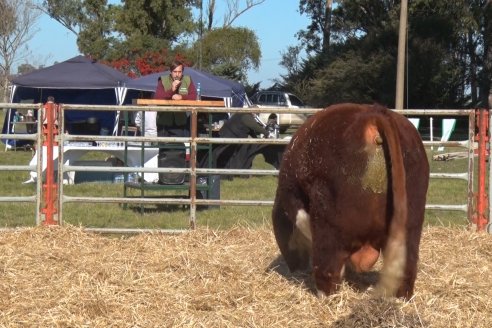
[336, 171]
[329, 151]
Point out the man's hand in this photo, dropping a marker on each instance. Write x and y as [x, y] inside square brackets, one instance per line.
[177, 97]
[175, 85]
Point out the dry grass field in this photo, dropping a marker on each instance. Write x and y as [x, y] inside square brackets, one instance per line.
[66, 277]
[227, 273]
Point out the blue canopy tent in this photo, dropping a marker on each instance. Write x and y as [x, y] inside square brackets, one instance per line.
[78, 80]
[212, 86]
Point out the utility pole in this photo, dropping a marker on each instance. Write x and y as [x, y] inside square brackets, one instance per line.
[402, 41]
[200, 36]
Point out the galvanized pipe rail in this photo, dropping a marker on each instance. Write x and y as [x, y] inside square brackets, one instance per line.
[62, 138]
[37, 140]
[201, 140]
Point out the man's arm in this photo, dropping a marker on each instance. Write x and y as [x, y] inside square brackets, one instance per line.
[253, 125]
[191, 92]
[160, 93]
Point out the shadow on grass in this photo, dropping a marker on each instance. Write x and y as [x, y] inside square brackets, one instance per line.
[364, 311]
[380, 312]
[358, 281]
[157, 208]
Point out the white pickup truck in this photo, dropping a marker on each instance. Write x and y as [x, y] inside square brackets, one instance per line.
[265, 99]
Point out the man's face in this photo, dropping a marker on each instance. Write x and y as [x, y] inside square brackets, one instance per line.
[177, 73]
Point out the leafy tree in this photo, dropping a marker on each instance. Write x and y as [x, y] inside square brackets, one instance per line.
[295, 80]
[230, 52]
[449, 54]
[231, 63]
[25, 68]
[141, 36]
[251, 89]
[160, 19]
[149, 62]
[66, 12]
[16, 29]
[96, 38]
[474, 30]
[449, 63]
[317, 35]
[92, 21]
[352, 77]
[291, 60]
[128, 30]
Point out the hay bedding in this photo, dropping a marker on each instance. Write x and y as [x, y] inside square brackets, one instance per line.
[65, 277]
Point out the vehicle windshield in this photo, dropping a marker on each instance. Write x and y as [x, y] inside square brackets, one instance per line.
[295, 101]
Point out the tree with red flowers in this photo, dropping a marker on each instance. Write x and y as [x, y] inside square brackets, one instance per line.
[148, 63]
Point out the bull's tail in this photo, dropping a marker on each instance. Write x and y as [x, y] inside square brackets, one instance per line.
[395, 251]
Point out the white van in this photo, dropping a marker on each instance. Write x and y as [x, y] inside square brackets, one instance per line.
[265, 99]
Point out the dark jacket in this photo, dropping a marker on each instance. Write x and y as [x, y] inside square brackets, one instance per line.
[242, 125]
[161, 92]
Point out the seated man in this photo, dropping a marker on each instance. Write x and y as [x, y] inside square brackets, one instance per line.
[175, 86]
[236, 156]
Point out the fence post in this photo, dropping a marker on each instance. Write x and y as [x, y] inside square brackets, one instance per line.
[50, 187]
[480, 219]
[193, 154]
[472, 124]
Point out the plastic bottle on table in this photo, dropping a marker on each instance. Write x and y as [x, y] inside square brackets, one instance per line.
[198, 91]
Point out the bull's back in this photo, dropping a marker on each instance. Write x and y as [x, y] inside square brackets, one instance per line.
[330, 149]
[332, 145]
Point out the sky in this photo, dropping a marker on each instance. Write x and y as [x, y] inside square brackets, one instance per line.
[275, 23]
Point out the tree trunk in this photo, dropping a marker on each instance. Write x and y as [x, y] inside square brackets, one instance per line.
[472, 69]
[487, 58]
[327, 27]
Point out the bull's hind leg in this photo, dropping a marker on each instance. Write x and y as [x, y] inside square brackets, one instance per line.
[414, 232]
[328, 263]
[290, 226]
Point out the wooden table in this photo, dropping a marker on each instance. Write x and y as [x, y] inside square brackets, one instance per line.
[195, 103]
[209, 189]
[72, 153]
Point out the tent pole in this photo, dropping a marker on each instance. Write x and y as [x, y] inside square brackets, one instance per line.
[9, 123]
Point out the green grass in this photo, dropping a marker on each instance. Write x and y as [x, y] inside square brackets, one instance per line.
[258, 188]
[447, 191]
[114, 215]
[172, 217]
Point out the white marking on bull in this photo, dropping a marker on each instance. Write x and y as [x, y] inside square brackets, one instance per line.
[393, 266]
[303, 223]
[342, 272]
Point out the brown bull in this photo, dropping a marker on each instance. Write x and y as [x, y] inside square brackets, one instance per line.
[353, 181]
